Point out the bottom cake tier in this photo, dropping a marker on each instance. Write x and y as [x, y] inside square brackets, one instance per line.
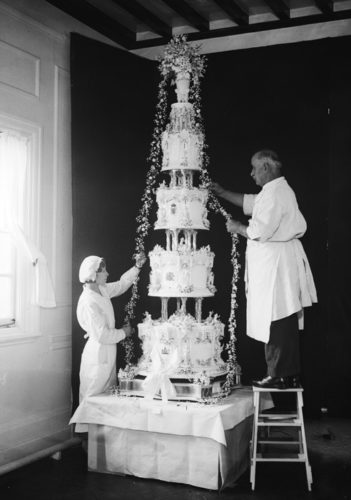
[181, 359]
[181, 346]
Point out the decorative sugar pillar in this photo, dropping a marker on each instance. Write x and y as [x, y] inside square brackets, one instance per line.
[164, 308]
[187, 235]
[174, 239]
[189, 180]
[173, 181]
[194, 233]
[168, 240]
[198, 309]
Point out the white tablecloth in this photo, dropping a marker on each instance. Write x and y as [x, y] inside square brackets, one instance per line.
[205, 446]
[182, 419]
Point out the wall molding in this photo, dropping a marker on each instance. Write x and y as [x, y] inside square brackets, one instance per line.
[60, 341]
[63, 305]
[59, 74]
[25, 56]
[14, 336]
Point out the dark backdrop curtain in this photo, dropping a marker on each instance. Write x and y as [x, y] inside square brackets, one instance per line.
[113, 97]
[277, 98]
[292, 98]
[338, 338]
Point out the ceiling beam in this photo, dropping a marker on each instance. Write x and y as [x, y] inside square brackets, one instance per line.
[97, 20]
[234, 11]
[325, 6]
[189, 14]
[256, 27]
[145, 16]
[279, 9]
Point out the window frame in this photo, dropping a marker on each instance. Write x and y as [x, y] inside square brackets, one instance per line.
[27, 326]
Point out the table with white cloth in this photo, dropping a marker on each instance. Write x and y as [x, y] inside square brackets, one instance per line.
[183, 442]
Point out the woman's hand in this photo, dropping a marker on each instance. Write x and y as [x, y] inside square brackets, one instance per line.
[128, 330]
[140, 259]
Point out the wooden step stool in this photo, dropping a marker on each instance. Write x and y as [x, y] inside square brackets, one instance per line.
[265, 422]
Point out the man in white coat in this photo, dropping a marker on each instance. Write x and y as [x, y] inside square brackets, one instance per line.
[279, 282]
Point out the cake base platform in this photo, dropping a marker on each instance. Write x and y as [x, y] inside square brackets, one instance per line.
[186, 390]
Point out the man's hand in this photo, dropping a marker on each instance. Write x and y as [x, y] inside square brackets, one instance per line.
[233, 226]
[217, 188]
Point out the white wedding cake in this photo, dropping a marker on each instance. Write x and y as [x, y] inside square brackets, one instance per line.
[181, 352]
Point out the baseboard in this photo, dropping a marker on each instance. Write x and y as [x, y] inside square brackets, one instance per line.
[44, 447]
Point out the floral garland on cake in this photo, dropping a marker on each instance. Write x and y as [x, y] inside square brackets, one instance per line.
[180, 57]
[234, 368]
[154, 160]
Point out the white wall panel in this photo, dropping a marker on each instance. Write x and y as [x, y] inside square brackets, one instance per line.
[35, 395]
[19, 69]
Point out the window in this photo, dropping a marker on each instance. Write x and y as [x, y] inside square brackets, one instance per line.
[19, 175]
[8, 280]
[13, 163]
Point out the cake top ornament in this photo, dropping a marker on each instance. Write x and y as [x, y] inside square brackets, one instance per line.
[182, 63]
[182, 58]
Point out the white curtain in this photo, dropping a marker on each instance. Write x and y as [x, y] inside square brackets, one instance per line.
[13, 171]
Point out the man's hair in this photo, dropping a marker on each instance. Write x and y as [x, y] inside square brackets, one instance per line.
[270, 156]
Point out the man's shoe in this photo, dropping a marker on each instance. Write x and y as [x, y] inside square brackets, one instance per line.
[271, 383]
[289, 382]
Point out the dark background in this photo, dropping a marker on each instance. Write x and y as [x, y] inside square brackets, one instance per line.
[295, 99]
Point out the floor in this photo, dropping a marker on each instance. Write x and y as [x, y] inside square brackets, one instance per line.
[329, 443]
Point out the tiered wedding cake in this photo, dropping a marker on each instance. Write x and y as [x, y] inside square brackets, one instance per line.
[181, 353]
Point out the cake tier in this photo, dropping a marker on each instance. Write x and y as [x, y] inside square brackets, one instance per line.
[181, 272]
[181, 208]
[182, 141]
[183, 346]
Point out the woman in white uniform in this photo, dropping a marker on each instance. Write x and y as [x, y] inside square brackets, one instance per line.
[96, 317]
